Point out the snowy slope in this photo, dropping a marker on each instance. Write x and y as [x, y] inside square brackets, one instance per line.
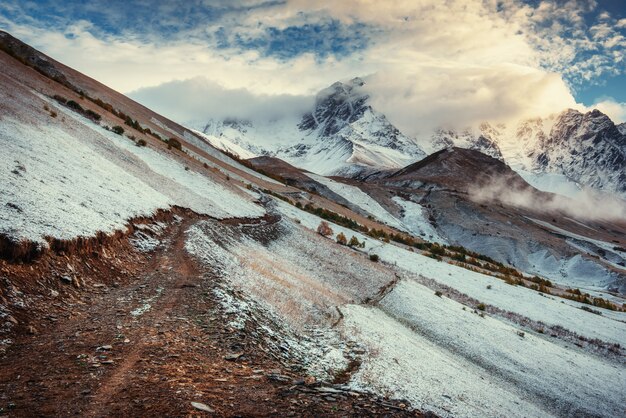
[474, 347]
[552, 311]
[439, 354]
[68, 177]
[359, 198]
[415, 220]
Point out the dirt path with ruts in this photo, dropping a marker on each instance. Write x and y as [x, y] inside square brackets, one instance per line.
[153, 343]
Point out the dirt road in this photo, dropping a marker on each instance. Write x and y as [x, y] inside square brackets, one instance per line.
[148, 339]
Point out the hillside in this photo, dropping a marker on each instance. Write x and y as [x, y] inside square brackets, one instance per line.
[145, 273]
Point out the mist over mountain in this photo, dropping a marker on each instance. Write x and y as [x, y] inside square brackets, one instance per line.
[345, 135]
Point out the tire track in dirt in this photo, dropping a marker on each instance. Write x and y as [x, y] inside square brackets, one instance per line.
[175, 273]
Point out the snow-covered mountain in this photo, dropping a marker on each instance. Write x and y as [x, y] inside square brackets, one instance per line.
[342, 135]
[484, 139]
[588, 148]
[584, 149]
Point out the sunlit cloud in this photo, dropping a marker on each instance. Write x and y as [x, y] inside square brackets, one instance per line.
[426, 63]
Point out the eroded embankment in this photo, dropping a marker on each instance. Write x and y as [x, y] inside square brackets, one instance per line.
[24, 251]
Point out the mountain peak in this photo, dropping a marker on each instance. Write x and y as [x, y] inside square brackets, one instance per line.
[459, 168]
[357, 81]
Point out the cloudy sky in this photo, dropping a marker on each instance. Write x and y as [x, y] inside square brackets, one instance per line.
[426, 62]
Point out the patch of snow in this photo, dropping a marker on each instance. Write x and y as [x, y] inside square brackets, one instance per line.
[147, 304]
[359, 198]
[403, 364]
[416, 222]
[550, 182]
[456, 362]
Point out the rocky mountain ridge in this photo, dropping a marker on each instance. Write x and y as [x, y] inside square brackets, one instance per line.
[344, 135]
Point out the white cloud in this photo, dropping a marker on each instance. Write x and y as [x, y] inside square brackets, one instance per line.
[430, 63]
[200, 99]
[460, 97]
[612, 108]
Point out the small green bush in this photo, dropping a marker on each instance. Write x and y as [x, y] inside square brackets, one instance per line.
[141, 143]
[374, 258]
[341, 239]
[481, 307]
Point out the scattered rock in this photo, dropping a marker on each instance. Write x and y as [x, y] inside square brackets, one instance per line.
[202, 407]
[104, 348]
[232, 356]
[32, 330]
[328, 390]
[278, 377]
[310, 380]
[66, 279]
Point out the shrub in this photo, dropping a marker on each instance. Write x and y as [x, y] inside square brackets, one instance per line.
[341, 239]
[53, 113]
[141, 143]
[324, 229]
[488, 286]
[175, 143]
[130, 121]
[593, 311]
[119, 130]
[60, 99]
[74, 106]
[354, 242]
[92, 115]
[438, 293]
[374, 257]
[481, 307]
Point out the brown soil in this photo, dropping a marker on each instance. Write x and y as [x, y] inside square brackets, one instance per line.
[82, 352]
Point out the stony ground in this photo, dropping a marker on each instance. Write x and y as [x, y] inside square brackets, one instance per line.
[128, 333]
